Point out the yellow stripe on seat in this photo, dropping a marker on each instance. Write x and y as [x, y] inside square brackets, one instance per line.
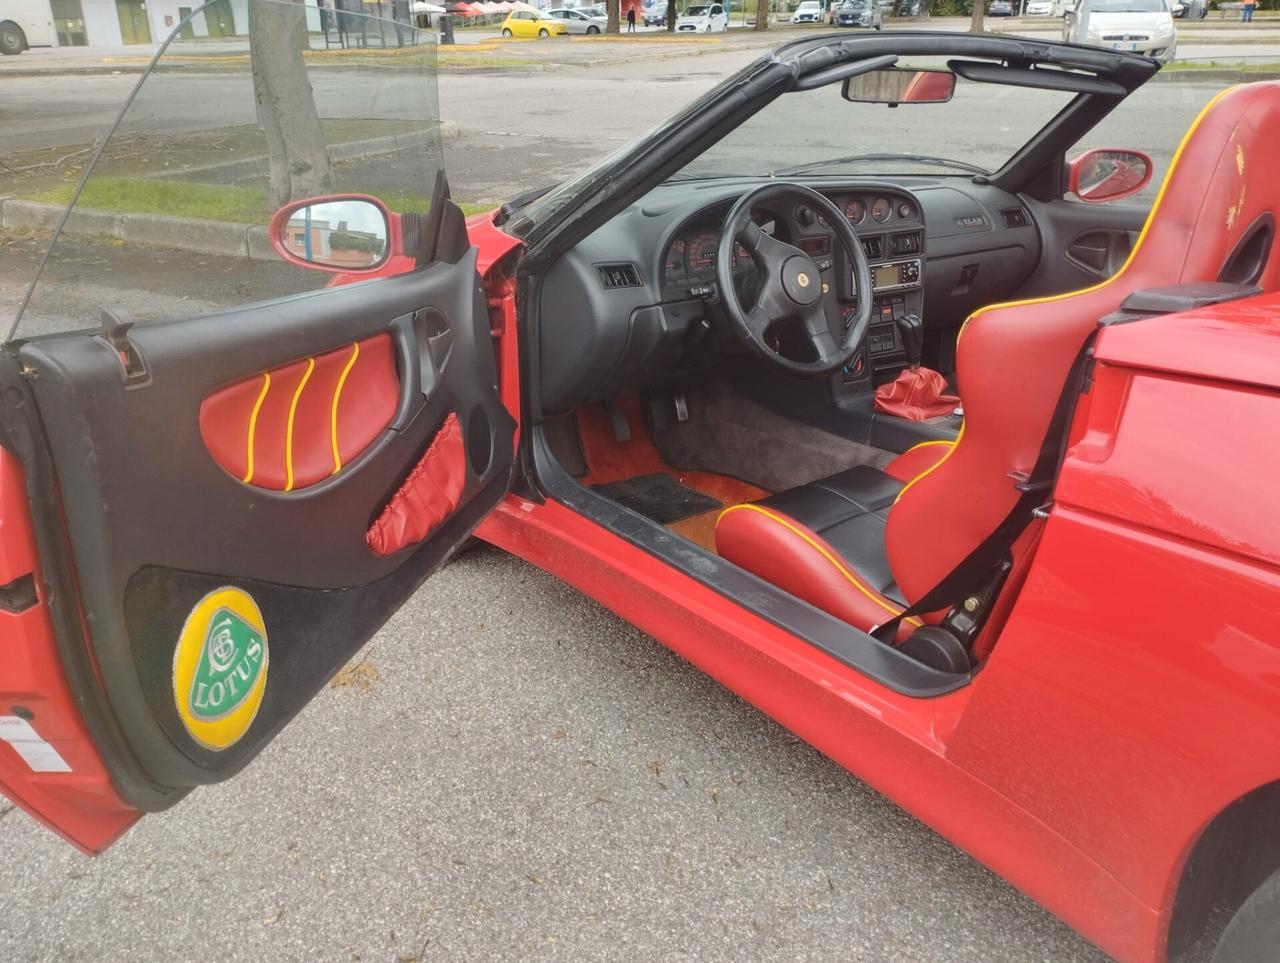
[840, 567]
[253, 425]
[333, 411]
[288, 432]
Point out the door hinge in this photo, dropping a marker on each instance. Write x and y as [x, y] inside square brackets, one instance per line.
[115, 332]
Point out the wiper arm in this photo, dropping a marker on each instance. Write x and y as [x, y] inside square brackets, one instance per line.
[858, 158]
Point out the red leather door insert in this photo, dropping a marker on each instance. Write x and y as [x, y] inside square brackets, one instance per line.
[298, 424]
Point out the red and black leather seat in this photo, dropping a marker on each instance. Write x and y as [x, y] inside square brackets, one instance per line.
[864, 543]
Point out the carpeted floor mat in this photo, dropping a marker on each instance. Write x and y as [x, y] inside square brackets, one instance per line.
[659, 497]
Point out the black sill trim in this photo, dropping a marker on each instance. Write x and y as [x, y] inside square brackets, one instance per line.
[854, 648]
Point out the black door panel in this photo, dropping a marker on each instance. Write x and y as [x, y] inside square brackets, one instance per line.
[153, 523]
[1082, 244]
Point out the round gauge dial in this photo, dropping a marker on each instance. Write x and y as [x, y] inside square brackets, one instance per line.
[905, 210]
[701, 252]
[881, 210]
[675, 265]
[855, 211]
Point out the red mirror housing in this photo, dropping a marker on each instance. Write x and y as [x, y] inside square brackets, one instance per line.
[1108, 173]
[348, 234]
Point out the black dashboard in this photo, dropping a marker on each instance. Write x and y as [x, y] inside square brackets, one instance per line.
[634, 304]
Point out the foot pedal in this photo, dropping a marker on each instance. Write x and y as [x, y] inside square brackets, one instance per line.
[682, 407]
[618, 421]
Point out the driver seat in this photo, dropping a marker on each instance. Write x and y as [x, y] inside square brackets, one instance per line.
[864, 543]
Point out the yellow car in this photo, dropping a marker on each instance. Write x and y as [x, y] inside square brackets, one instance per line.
[532, 23]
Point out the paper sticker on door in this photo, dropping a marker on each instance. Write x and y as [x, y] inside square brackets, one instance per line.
[220, 668]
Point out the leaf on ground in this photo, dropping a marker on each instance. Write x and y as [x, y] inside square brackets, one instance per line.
[360, 676]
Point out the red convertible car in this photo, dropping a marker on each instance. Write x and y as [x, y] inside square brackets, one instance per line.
[962, 476]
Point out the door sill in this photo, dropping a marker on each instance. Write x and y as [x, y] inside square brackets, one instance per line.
[838, 639]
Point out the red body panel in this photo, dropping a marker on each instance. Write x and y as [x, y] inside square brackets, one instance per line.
[80, 805]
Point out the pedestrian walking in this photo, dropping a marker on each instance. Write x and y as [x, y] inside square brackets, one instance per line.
[1247, 13]
[631, 19]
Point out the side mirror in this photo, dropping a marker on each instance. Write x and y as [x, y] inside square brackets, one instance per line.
[895, 85]
[1106, 174]
[350, 234]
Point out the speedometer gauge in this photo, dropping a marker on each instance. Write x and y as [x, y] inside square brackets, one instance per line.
[674, 267]
[855, 211]
[701, 253]
[881, 210]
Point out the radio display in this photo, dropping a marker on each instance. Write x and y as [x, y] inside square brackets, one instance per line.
[885, 276]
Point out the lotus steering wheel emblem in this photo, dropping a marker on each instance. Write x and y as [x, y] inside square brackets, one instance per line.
[802, 279]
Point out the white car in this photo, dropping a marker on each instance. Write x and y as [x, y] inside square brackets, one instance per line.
[808, 12]
[1136, 26]
[578, 21]
[703, 18]
[1038, 8]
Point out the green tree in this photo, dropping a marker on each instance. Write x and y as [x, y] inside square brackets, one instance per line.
[298, 160]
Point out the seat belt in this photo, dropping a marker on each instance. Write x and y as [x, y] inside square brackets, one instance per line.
[991, 551]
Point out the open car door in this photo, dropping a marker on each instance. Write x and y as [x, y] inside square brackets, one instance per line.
[226, 499]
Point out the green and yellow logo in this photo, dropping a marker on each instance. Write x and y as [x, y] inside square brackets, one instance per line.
[220, 668]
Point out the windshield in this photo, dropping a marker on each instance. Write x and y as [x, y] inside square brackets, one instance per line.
[980, 128]
[696, 11]
[1129, 6]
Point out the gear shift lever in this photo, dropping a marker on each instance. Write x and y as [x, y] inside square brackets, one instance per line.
[911, 330]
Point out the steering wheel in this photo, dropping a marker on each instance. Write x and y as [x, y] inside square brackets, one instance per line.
[791, 285]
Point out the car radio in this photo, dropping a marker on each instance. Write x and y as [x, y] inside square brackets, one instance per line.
[895, 275]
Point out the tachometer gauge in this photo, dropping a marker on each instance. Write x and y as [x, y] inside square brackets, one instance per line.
[855, 211]
[741, 256]
[701, 252]
[675, 266]
[881, 210]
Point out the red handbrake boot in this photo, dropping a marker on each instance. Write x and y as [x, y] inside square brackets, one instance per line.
[917, 394]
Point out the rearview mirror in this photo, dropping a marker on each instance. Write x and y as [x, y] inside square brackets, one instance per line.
[348, 234]
[1105, 174]
[896, 85]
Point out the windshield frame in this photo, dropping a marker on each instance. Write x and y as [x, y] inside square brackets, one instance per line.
[569, 211]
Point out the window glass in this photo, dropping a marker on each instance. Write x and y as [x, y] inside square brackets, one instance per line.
[171, 218]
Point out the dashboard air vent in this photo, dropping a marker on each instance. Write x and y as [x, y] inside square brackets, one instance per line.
[619, 275]
[1015, 217]
[905, 243]
[873, 247]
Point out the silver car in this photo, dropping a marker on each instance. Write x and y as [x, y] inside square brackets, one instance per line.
[1136, 26]
[577, 21]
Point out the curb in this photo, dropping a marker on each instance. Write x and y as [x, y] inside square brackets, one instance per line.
[219, 238]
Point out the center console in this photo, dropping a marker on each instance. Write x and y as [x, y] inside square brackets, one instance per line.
[896, 292]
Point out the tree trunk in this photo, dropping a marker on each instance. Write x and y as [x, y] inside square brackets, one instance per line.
[762, 14]
[615, 20]
[671, 16]
[299, 161]
[975, 21]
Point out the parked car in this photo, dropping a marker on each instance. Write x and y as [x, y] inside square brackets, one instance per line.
[859, 13]
[810, 11]
[578, 21]
[1000, 8]
[655, 15]
[1038, 8]
[703, 18]
[1046, 627]
[533, 23]
[1134, 26]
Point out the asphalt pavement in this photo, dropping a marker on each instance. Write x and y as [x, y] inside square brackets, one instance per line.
[512, 772]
